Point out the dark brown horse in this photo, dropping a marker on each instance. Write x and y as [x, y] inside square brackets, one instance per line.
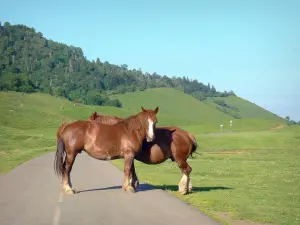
[104, 142]
[169, 143]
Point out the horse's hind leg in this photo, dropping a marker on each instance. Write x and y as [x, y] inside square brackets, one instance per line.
[185, 184]
[68, 164]
[190, 186]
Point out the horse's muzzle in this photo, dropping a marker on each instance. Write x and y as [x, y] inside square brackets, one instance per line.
[149, 139]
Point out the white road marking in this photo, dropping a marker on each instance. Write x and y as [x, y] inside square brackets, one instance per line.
[57, 212]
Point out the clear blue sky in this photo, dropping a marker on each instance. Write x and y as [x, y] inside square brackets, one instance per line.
[251, 47]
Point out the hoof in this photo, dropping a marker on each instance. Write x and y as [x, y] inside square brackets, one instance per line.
[69, 192]
[182, 192]
[130, 189]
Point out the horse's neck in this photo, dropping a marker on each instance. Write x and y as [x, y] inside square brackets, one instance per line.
[134, 125]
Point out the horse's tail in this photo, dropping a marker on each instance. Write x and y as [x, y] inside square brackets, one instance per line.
[59, 157]
[195, 145]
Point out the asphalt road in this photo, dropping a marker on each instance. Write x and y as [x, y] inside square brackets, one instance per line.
[31, 195]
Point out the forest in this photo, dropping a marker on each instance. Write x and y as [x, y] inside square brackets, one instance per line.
[31, 63]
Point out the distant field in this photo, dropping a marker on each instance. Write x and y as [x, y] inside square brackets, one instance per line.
[247, 124]
[249, 174]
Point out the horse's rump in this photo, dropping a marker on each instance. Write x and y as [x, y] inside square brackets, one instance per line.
[60, 130]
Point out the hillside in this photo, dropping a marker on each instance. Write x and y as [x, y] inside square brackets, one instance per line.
[173, 103]
[244, 109]
[200, 115]
[31, 63]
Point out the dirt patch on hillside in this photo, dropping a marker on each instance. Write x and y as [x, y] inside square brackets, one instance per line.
[17, 151]
[226, 217]
[3, 153]
[277, 127]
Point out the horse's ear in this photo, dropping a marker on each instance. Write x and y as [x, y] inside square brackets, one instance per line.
[156, 109]
[143, 109]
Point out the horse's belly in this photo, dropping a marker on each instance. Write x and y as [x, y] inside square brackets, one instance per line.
[102, 153]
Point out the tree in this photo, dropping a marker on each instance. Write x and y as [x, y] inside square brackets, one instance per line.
[93, 98]
[6, 24]
[213, 89]
[98, 61]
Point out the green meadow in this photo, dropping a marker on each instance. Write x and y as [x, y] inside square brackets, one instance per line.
[249, 174]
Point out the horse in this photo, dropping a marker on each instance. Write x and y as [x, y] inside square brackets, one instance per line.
[170, 143]
[103, 142]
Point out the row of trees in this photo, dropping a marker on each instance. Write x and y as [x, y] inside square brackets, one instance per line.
[228, 109]
[31, 63]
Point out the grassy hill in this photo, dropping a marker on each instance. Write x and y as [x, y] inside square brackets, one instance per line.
[173, 103]
[245, 108]
[182, 109]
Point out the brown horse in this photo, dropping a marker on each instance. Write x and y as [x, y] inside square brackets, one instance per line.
[169, 143]
[103, 142]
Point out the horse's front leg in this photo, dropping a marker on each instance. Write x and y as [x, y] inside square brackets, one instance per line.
[128, 162]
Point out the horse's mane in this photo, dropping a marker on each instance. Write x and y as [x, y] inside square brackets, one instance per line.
[110, 120]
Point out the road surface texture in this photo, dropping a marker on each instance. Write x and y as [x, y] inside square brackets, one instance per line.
[31, 194]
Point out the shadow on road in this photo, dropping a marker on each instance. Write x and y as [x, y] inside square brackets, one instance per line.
[195, 189]
[142, 187]
[147, 187]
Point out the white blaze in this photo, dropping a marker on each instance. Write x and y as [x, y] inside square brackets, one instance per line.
[150, 129]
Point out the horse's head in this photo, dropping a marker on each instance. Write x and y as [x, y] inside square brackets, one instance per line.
[150, 122]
